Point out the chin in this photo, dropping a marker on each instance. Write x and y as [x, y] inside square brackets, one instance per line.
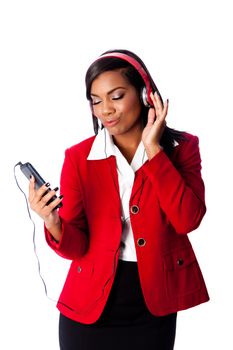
[115, 132]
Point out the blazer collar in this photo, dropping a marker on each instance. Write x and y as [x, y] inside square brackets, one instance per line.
[102, 147]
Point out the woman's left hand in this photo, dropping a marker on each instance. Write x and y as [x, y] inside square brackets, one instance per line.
[153, 131]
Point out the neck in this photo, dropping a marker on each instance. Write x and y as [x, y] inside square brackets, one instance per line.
[128, 143]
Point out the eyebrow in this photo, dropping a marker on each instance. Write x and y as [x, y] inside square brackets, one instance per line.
[110, 91]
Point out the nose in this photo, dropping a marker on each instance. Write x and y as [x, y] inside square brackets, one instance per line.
[107, 108]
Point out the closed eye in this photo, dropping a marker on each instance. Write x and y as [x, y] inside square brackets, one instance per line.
[117, 97]
[95, 102]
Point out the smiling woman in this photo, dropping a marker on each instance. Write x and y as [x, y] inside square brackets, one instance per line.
[132, 193]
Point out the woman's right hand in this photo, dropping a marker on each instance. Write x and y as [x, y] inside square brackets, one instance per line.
[38, 199]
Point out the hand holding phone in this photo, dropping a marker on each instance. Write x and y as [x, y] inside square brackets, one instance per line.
[28, 170]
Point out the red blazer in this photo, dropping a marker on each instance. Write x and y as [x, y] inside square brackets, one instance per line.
[166, 203]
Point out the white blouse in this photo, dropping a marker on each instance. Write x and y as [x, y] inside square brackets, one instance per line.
[104, 147]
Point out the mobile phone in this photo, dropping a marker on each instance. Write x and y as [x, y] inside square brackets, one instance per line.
[28, 170]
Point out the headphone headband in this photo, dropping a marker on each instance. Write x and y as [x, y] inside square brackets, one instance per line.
[146, 99]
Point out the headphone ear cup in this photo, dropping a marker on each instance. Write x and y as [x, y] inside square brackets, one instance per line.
[144, 97]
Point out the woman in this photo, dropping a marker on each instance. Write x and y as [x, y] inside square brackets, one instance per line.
[132, 193]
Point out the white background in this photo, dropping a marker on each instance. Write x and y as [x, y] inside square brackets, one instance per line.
[46, 47]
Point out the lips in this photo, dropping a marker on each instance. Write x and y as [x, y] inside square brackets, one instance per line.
[113, 122]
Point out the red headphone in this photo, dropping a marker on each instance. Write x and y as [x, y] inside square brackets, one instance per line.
[147, 89]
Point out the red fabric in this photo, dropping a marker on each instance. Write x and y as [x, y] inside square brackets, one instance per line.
[170, 197]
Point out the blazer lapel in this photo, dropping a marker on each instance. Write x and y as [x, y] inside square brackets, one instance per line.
[105, 172]
[139, 182]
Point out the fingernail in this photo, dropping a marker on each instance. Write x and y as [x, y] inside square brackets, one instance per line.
[167, 100]
[61, 196]
[55, 189]
[47, 184]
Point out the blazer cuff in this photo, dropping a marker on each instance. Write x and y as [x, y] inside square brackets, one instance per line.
[55, 245]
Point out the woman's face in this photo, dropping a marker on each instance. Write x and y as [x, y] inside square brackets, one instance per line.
[116, 103]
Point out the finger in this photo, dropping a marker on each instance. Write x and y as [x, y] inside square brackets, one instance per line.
[157, 102]
[36, 195]
[151, 116]
[40, 206]
[165, 110]
[42, 190]
[49, 208]
[31, 188]
[161, 115]
[46, 197]
[55, 202]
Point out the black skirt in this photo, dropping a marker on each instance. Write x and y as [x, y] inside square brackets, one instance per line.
[125, 322]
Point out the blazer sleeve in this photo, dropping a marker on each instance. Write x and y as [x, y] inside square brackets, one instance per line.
[74, 241]
[179, 185]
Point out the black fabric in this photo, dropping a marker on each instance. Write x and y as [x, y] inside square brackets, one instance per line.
[125, 323]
